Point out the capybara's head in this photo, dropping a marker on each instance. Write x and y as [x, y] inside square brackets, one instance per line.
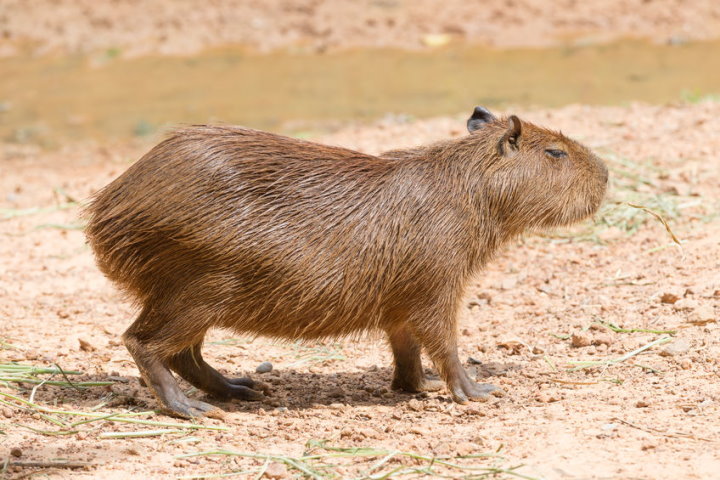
[534, 177]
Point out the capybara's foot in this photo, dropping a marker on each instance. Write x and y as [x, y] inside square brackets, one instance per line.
[250, 383]
[481, 391]
[241, 392]
[424, 384]
[185, 407]
[191, 366]
[469, 390]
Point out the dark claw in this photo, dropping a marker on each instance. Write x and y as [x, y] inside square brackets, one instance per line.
[245, 381]
[245, 393]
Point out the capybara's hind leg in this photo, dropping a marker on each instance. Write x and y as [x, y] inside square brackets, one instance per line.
[408, 375]
[191, 366]
[438, 336]
[154, 370]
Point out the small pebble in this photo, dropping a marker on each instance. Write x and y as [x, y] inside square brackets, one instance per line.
[466, 448]
[581, 339]
[415, 405]
[264, 367]
[685, 304]
[603, 339]
[702, 315]
[677, 347]
[86, 346]
[668, 297]
[277, 471]
[546, 398]
[642, 404]
[16, 452]
[7, 412]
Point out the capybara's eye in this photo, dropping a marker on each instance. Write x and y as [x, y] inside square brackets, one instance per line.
[555, 153]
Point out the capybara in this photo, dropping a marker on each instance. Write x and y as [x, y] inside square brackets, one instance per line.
[221, 226]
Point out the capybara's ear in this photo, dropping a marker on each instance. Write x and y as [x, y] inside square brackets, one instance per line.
[510, 141]
[479, 118]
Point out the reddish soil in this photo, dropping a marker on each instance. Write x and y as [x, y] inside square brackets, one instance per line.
[653, 415]
[138, 27]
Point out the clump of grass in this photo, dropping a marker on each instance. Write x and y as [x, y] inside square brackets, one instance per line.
[696, 96]
[5, 345]
[30, 374]
[629, 216]
[61, 226]
[9, 213]
[143, 128]
[301, 352]
[617, 329]
[66, 421]
[321, 461]
[61, 418]
[583, 364]
[315, 354]
[64, 201]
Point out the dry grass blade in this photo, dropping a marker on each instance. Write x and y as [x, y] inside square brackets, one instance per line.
[48, 464]
[4, 345]
[120, 417]
[140, 433]
[316, 463]
[660, 432]
[617, 329]
[7, 214]
[580, 364]
[19, 373]
[659, 217]
[315, 354]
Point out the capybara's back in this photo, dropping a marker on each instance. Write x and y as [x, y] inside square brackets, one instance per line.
[260, 233]
[268, 235]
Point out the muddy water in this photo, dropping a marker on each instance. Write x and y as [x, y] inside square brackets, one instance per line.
[48, 98]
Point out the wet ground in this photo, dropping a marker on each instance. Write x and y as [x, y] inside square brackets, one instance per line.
[50, 99]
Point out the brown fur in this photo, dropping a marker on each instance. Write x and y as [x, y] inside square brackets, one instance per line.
[223, 226]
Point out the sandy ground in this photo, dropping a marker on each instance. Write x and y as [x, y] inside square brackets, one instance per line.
[137, 27]
[653, 416]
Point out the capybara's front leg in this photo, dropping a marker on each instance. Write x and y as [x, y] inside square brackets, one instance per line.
[438, 334]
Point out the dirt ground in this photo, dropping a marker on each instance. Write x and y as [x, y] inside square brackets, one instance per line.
[615, 290]
[654, 415]
[186, 26]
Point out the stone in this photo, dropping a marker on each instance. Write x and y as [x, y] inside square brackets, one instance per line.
[264, 367]
[702, 315]
[669, 297]
[276, 471]
[581, 339]
[676, 347]
[603, 339]
[685, 304]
